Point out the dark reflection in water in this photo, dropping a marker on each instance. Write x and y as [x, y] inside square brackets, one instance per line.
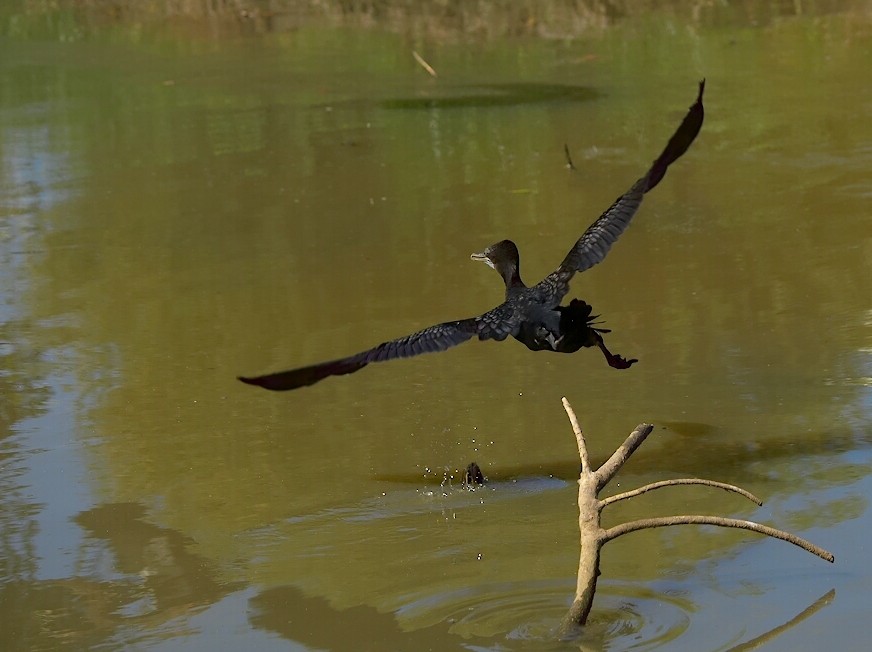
[132, 579]
[314, 623]
[172, 577]
[756, 642]
[492, 95]
[712, 453]
[75, 611]
[627, 614]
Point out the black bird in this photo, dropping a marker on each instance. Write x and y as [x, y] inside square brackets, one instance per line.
[532, 315]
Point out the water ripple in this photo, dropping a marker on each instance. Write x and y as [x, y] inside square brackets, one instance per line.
[528, 614]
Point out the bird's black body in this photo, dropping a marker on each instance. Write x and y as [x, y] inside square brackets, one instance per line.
[532, 315]
[546, 325]
[574, 330]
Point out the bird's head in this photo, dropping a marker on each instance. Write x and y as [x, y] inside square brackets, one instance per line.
[503, 257]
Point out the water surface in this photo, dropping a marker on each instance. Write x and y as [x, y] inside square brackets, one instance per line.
[178, 211]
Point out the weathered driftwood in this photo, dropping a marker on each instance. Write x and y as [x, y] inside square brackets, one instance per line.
[594, 537]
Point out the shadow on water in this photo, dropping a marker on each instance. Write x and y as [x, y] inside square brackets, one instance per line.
[492, 96]
[736, 461]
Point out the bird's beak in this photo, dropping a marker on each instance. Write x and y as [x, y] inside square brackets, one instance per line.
[482, 257]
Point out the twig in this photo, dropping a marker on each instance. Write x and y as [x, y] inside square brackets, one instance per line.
[426, 66]
[695, 519]
[612, 465]
[569, 162]
[680, 481]
[579, 437]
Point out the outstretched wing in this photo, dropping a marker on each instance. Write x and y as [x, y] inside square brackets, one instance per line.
[592, 247]
[496, 324]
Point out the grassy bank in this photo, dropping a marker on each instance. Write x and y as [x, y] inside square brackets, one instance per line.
[424, 18]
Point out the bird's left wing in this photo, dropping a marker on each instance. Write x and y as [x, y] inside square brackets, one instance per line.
[495, 324]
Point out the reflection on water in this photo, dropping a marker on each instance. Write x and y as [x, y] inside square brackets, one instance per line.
[492, 95]
[520, 611]
[313, 622]
[444, 498]
[530, 614]
[175, 212]
[131, 580]
[173, 579]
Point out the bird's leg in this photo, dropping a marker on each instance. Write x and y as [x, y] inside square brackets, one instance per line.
[553, 342]
[616, 361]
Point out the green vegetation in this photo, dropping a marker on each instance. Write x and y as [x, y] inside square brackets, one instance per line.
[558, 19]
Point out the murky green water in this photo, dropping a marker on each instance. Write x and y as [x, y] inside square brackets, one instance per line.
[178, 211]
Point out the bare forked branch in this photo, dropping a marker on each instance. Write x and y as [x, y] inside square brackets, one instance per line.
[593, 537]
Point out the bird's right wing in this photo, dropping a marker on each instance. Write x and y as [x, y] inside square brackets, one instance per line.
[495, 324]
[592, 247]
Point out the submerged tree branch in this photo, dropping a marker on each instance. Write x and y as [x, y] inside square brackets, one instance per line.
[695, 519]
[593, 537]
[680, 481]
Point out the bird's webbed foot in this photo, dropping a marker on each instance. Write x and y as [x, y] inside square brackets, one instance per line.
[614, 360]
